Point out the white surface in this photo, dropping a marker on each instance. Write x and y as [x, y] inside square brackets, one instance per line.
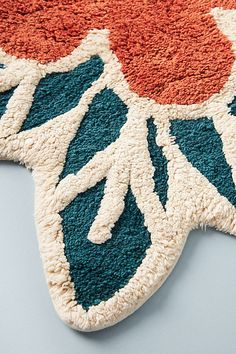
[194, 311]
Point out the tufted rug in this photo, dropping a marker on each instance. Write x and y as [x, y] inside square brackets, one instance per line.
[125, 111]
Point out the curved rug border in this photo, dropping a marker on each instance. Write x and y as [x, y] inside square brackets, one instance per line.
[197, 200]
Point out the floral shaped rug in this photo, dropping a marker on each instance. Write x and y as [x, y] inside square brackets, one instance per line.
[125, 111]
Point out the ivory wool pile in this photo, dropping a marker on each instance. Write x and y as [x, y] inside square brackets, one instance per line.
[125, 111]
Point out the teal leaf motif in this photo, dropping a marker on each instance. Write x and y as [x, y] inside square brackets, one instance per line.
[159, 163]
[99, 128]
[201, 144]
[98, 271]
[58, 93]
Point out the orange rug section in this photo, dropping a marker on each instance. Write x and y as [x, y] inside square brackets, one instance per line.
[170, 50]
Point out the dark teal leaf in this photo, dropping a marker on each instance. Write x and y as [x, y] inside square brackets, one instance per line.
[58, 93]
[99, 128]
[98, 271]
[202, 145]
[159, 162]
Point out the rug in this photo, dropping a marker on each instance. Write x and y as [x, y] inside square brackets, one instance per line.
[125, 111]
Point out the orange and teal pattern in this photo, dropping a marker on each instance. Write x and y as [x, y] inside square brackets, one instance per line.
[158, 106]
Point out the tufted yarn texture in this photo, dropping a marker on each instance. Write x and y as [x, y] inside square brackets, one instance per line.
[125, 113]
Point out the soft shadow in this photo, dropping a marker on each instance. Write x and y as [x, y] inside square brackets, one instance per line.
[9, 164]
[160, 299]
